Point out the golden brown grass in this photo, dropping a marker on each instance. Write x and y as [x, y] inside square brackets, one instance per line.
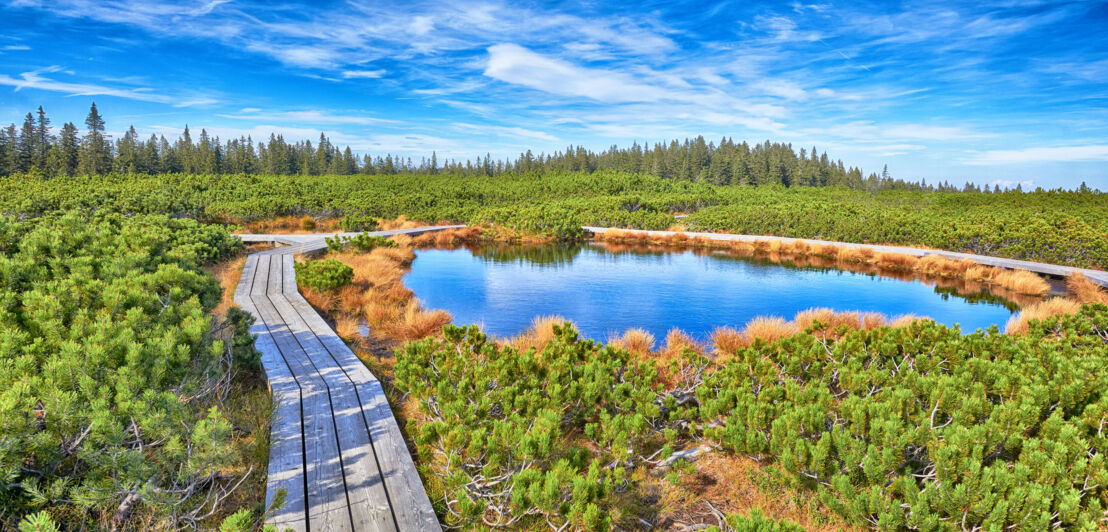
[416, 322]
[538, 334]
[849, 254]
[1055, 306]
[768, 328]
[676, 343]
[939, 265]
[727, 340]
[347, 328]
[324, 301]
[873, 320]
[806, 318]
[637, 341]
[228, 274]
[980, 272]
[905, 320]
[1085, 290]
[1022, 281]
[897, 261]
[737, 484]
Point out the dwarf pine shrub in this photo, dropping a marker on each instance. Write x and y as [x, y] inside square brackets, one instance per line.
[324, 275]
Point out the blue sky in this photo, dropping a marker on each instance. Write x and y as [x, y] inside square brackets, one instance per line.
[1008, 92]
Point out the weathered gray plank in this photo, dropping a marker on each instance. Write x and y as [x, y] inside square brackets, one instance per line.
[335, 446]
[286, 460]
[410, 504]
[328, 508]
[369, 504]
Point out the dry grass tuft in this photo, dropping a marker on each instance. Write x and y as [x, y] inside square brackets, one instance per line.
[415, 322]
[939, 265]
[849, 254]
[676, 343]
[978, 272]
[827, 250]
[228, 274]
[1085, 290]
[347, 328]
[873, 320]
[538, 334]
[1022, 282]
[324, 301]
[897, 261]
[801, 247]
[637, 341]
[727, 341]
[1044, 309]
[806, 318]
[768, 328]
[905, 320]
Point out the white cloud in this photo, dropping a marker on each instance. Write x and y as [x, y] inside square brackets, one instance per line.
[502, 130]
[363, 74]
[15, 48]
[1061, 154]
[36, 80]
[515, 64]
[308, 117]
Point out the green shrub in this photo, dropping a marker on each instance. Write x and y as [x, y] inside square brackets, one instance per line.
[757, 522]
[924, 428]
[358, 224]
[561, 430]
[108, 367]
[323, 275]
[362, 242]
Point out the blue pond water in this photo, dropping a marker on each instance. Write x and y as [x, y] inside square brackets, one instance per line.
[504, 288]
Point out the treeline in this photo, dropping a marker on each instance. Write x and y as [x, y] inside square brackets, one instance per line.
[37, 148]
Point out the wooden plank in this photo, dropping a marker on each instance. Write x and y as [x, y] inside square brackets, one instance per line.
[327, 506]
[410, 503]
[369, 504]
[286, 457]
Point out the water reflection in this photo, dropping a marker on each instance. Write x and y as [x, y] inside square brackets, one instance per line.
[607, 288]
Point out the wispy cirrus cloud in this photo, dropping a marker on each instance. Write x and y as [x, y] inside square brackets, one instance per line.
[1059, 154]
[36, 79]
[313, 116]
[913, 85]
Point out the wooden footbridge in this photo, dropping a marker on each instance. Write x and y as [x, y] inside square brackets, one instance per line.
[335, 449]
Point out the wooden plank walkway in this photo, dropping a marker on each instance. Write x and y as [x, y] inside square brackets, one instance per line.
[335, 446]
[1098, 276]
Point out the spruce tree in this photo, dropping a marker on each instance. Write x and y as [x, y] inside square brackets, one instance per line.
[95, 158]
[26, 149]
[43, 138]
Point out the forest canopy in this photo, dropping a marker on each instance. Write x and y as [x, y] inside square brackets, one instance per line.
[36, 147]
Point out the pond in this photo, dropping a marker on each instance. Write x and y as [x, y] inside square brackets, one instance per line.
[503, 288]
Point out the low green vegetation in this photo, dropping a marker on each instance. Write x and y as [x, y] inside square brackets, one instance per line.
[114, 376]
[1050, 226]
[361, 242]
[917, 427]
[323, 275]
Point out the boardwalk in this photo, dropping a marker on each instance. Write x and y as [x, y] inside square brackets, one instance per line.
[335, 448]
[1097, 276]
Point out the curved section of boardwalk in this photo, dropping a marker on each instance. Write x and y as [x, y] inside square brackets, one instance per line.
[1097, 276]
[335, 446]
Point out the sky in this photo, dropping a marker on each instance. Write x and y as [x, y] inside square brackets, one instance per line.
[1007, 92]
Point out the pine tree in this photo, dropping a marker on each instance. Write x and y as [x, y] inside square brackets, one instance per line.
[69, 149]
[95, 157]
[26, 150]
[43, 139]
